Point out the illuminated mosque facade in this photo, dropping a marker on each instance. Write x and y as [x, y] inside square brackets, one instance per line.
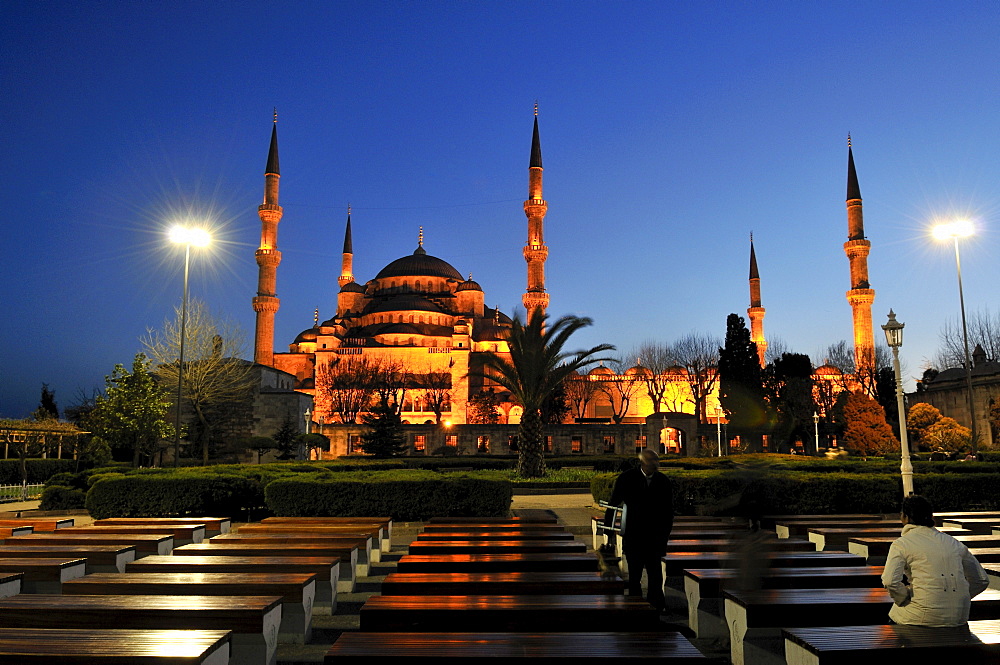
[420, 314]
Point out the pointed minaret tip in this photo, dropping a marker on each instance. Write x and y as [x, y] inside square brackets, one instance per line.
[853, 189]
[753, 261]
[348, 242]
[272, 152]
[536, 145]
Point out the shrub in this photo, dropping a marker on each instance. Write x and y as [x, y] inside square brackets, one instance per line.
[153, 495]
[60, 497]
[414, 496]
[39, 470]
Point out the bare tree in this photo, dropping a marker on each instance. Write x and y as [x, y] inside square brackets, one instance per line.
[776, 346]
[346, 384]
[436, 391]
[391, 383]
[699, 355]
[215, 378]
[619, 388]
[657, 359]
[841, 356]
[580, 390]
[984, 331]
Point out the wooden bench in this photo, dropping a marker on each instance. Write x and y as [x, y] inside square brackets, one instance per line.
[144, 544]
[792, 529]
[770, 521]
[297, 591]
[183, 534]
[875, 549]
[372, 533]
[100, 558]
[837, 538]
[254, 620]
[496, 535]
[12, 531]
[354, 648]
[326, 570]
[675, 563]
[493, 520]
[38, 523]
[213, 525]
[571, 613]
[759, 615]
[939, 518]
[348, 556]
[496, 546]
[44, 575]
[384, 522]
[993, 572]
[490, 563]
[703, 589]
[731, 544]
[367, 555]
[978, 643]
[11, 584]
[517, 583]
[496, 528]
[75, 646]
[982, 525]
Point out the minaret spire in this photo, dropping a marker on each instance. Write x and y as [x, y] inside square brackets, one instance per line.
[861, 295]
[266, 302]
[755, 311]
[347, 262]
[535, 250]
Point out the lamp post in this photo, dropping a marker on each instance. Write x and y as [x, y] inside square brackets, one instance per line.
[894, 337]
[954, 231]
[816, 429]
[308, 418]
[187, 236]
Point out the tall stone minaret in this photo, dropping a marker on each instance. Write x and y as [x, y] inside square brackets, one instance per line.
[347, 263]
[266, 302]
[861, 295]
[755, 311]
[535, 251]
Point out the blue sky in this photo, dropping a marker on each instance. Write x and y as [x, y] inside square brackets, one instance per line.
[670, 131]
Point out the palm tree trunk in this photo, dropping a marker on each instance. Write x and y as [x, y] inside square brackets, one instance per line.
[530, 455]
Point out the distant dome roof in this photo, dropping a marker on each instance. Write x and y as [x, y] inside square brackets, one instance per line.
[420, 265]
[308, 335]
[469, 285]
[352, 287]
[601, 370]
[403, 302]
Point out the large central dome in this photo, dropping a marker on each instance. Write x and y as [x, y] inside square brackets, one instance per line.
[420, 264]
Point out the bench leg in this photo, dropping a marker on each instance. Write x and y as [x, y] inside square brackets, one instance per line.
[795, 654]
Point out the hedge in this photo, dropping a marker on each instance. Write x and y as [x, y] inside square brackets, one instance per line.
[736, 493]
[405, 500]
[163, 495]
[39, 470]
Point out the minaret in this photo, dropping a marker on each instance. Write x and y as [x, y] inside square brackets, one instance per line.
[861, 294]
[266, 302]
[347, 264]
[535, 251]
[755, 311]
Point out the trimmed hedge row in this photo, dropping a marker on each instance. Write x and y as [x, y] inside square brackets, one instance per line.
[405, 500]
[148, 495]
[39, 470]
[737, 493]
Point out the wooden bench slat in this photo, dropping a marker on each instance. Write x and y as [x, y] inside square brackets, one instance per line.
[100, 558]
[495, 546]
[68, 646]
[444, 563]
[502, 583]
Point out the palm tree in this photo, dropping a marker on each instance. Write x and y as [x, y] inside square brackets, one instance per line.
[536, 366]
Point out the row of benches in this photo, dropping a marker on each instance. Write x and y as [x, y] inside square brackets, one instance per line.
[262, 600]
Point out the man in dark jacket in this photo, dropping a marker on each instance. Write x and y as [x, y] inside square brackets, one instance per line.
[646, 523]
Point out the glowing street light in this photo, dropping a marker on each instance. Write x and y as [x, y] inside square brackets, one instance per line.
[962, 228]
[894, 338]
[189, 237]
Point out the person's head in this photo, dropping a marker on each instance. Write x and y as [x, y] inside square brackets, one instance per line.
[649, 461]
[917, 510]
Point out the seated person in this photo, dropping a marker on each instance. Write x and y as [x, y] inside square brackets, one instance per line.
[941, 575]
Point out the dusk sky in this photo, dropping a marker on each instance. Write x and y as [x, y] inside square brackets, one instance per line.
[670, 131]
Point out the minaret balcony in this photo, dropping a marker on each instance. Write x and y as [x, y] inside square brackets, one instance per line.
[535, 253]
[858, 297]
[268, 257]
[535, 207]
[855, 248]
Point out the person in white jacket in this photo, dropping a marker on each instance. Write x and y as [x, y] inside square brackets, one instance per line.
[941, 575]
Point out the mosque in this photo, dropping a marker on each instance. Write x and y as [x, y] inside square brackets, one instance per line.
[421, 317]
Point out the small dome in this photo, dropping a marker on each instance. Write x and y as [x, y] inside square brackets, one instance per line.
[469, 285]
[637, 370]
[352, 287]
[306, 336]
[601, 371]
[828, 370]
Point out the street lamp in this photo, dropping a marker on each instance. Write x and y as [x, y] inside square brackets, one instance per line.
[954, 231]
[187, 236]
[894, 338]
[816, 429]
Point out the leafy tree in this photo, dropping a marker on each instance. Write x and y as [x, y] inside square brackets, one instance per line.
[284, 438]
[482, 409]
[865, 429]
[535, 368]
[132, 415]
[261, 445]
[47, 408]
[216, 381]
[741, 390]
[790, 392]
[919, 418]
[311, 442]
[384, 437]
[948, 434]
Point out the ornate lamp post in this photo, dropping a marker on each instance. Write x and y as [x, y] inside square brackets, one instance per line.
[183, 235]
[954, 231]
[816, 429]
[894, 337]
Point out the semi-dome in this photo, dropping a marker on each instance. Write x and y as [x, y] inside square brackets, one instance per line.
[420, 265]
[403, 302]
[308, 335]
[352, 287]
[468, 285]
